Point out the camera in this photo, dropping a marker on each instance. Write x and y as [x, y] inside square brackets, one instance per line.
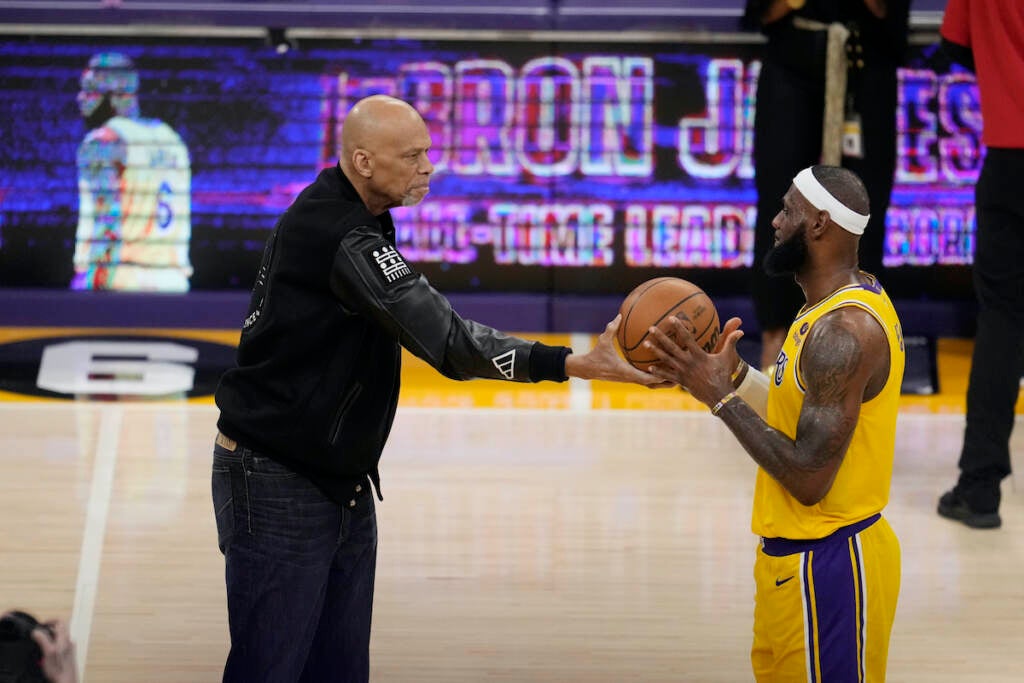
[19, 654]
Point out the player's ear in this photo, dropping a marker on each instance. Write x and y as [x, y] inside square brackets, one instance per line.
[817, 228]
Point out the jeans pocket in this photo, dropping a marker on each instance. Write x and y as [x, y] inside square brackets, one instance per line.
[223, 507]
[264, 467]
[290, 519]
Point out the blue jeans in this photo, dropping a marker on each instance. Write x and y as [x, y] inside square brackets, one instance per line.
[299, 570]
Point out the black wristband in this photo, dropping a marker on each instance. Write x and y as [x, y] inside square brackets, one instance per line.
[548, 362]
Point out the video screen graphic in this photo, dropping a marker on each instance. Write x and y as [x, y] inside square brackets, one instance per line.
[561, 167]
[134, 188]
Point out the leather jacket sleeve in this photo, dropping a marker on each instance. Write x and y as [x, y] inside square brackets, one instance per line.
[371, 279]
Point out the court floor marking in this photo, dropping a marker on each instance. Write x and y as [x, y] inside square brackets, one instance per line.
[580, 395]
[91, 554]
[105, 463]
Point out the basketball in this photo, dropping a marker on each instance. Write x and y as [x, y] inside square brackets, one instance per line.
[653, 303]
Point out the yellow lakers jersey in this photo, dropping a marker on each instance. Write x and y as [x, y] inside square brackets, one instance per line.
[861, 486]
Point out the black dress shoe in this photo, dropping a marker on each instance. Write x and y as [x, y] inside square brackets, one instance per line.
[953, 506]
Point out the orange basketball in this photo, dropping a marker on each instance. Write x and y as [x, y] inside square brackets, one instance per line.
[652, 304]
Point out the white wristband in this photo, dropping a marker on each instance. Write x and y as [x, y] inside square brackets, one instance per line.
[754, 390]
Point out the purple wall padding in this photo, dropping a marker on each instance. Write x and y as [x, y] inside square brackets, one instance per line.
[219, 310]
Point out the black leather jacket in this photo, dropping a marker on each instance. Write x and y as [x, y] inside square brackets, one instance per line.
[317, 380]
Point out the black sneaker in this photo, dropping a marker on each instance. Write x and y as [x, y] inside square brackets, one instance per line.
[953, 506]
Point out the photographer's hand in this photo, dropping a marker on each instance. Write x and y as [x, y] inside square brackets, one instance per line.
[58, 662]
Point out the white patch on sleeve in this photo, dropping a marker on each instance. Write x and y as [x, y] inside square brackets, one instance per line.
[391, 264]
[506, 364]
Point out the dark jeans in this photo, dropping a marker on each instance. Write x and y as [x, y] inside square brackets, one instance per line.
[998, 360]
[299, 570]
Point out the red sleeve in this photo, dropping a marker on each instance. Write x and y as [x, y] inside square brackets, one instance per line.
[956, 23]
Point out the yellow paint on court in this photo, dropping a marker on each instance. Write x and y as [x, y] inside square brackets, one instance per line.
[422, 386]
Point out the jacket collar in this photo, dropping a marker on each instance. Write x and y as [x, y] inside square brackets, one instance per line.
[345, 188]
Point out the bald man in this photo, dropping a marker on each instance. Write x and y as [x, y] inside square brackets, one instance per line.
[306, 412]
[822, 429]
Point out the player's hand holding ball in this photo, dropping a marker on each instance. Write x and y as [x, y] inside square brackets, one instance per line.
[671, 327]
[655, 303]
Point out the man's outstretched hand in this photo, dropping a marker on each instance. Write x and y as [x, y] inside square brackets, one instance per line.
[604, 362]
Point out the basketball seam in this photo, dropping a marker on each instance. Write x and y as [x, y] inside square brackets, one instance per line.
[624, 323]
[707, 327]
[671, 308]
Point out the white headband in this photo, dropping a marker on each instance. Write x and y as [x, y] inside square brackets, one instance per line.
[821, 199]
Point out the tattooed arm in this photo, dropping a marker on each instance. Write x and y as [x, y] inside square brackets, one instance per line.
[844, 354]
[845, 359]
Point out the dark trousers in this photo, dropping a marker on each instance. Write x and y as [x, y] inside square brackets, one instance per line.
[299, 570]
[787, 139]
[998, 360]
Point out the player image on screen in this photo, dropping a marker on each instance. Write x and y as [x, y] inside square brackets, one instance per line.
[134, 181]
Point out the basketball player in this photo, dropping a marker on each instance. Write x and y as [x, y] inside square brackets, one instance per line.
[307, 411]
[134, 182]
[822, 429]
[802, 76]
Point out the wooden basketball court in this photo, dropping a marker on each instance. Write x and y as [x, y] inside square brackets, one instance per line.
[550, 534]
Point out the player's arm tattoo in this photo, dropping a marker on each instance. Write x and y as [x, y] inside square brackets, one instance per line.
[835, 366]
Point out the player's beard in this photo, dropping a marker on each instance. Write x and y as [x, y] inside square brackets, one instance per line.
[789, 257]
[103, 112]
